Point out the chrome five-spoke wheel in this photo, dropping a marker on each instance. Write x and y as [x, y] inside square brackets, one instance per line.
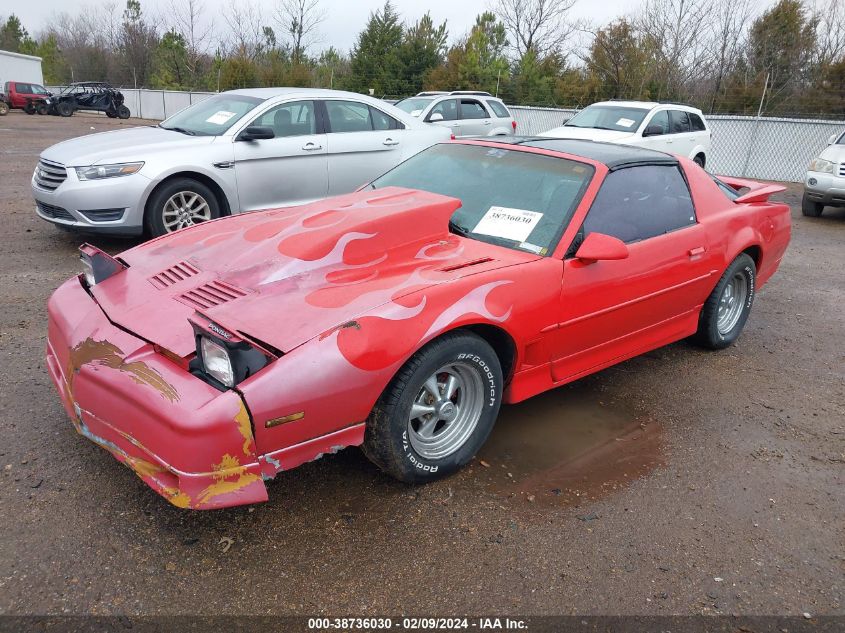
[446, 410]
[732, 303]
[185, 208]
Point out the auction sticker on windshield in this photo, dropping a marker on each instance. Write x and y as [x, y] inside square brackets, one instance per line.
[625, 122]
[220, 117]
[511, 224]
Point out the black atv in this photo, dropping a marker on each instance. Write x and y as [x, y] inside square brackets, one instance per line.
[95, 96]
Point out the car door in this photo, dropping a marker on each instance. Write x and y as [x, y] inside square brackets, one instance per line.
[363, 142]
[448, 109]
[651, 139]
[684, 137]
[292, 167]
[614, 309]
[474, 118]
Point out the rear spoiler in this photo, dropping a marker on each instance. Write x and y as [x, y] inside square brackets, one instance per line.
[757, 191]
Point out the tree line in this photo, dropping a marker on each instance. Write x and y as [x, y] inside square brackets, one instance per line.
[725, 56]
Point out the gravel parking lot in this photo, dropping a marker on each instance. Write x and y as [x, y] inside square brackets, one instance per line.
[682, 481]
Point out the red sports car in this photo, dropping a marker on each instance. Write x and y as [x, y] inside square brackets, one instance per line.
[400, 317]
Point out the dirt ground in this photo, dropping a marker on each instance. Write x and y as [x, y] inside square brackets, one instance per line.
[680, 482]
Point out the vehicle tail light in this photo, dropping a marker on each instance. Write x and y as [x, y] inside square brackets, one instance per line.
[452, 136]
[513, 123]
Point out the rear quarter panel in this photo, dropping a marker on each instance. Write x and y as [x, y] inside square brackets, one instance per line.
[764, 227]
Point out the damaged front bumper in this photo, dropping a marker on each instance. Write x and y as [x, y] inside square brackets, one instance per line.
[188, 441]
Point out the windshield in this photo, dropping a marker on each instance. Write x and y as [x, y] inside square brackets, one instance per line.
[414, 104]
[508, 197]
[212, 116]
[617, 118]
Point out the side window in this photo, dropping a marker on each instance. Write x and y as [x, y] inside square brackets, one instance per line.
[659, 120]
[349, 116]
[499, 109]
[382, 121]
[696, 122]
[680, 122]
[447, 108]
[290, 119]
[472, 109]
[641, 202]
[24, 89]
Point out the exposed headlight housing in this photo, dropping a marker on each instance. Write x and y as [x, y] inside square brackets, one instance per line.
[98, 172]
[97, 265]
[224, 358]
[822, 165]
[216, 362]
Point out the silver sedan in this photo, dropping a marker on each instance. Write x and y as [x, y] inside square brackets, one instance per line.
[236, 151]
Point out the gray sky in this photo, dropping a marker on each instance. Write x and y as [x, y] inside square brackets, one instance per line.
[345, 18]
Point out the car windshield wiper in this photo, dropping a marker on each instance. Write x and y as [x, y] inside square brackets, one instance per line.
[457, 228]
[179, 129]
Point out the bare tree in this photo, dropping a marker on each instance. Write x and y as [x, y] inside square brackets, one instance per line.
[541, 26]
[300, 21]
[830, 31]
[246, 33]
[673, 31]
[726, 33]
[187, 18]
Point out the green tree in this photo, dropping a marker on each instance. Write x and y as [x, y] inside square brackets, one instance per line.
[171, 62]
[781, 44]
[618, 62]
[15, 38]
[423, 49]
[53, 64]
[375, 56]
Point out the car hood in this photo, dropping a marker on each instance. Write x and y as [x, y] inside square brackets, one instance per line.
[284, 276]
[834, 153]
[120, 146]
[587, 133]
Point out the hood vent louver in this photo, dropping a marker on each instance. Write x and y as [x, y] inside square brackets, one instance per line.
[466, 264]
[173, 275]
[209, 295]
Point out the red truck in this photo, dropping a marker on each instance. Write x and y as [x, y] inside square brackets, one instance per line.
[29, 97]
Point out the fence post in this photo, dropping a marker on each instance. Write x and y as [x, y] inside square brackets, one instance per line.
[163, 106]
[754, 130]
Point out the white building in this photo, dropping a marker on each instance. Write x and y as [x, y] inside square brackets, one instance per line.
[18, 67]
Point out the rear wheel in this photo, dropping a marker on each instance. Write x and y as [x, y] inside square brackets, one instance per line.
[727, 308]
[810, 208]
[123, 112]
[4, 108]
[178, 204]
[437, 411]
[64, 108]
[699, 160]
[111, 114]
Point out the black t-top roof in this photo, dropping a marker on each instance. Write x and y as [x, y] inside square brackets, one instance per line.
[610, 154]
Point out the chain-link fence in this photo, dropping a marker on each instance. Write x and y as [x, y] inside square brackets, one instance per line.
[766, 148]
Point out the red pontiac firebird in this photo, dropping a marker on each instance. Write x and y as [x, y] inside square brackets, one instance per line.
[400, 317]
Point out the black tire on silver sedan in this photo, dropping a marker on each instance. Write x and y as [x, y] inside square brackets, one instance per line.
[727, 308]
[178, 204]
[437, 411]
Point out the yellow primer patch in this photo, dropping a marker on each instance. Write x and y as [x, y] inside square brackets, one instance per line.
[228, 468]
[245, 428]
[109, 355]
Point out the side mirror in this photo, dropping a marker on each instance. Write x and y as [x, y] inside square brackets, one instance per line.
[256, 133]
[600, 247]
[833, 139]
[434, 118]
[653, 130]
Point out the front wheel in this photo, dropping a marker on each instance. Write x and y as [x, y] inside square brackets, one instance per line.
[41, 109]
[810, 208]
[29, 108]
[178, 204]
[727, 308]
[64, 109]
[437, 411]
[123, 112]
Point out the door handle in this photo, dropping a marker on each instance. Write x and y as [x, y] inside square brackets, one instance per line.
[695, 252]
[390, 141]
[487, 123]
[310, 147]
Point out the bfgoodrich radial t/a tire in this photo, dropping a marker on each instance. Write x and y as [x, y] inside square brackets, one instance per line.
[727, 308]
[437, 411]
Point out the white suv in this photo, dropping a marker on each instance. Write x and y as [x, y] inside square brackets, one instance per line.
[824, 185]
[466, 113]
[668, 127]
